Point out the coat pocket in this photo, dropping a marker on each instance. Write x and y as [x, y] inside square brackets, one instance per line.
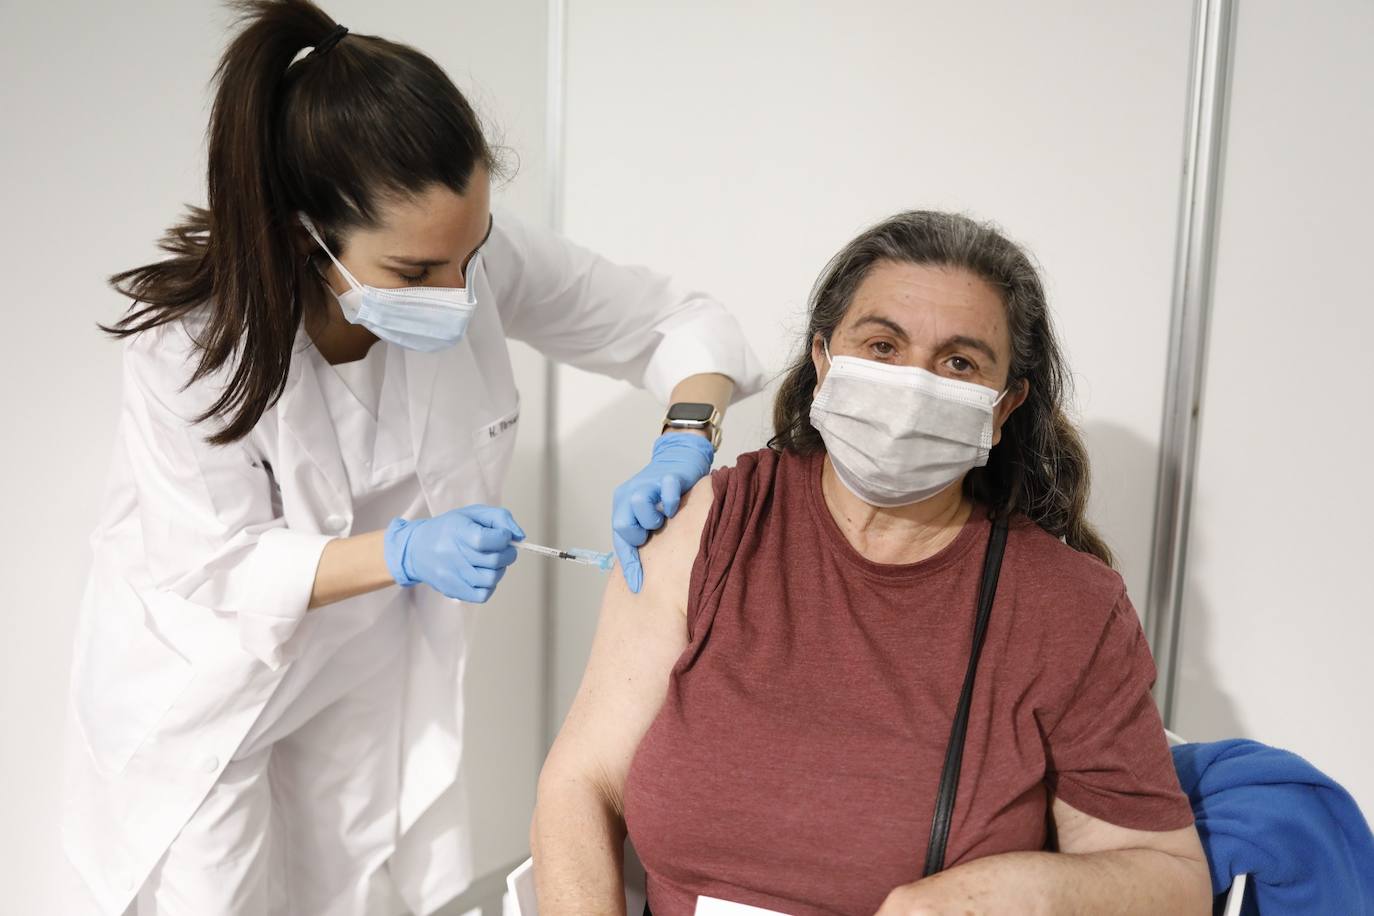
[124, 677]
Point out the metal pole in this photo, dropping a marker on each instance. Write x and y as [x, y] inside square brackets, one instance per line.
[553, 154]
[1213, 33]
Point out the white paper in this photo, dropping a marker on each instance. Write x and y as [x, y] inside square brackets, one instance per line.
[520, 899]
[710, 906]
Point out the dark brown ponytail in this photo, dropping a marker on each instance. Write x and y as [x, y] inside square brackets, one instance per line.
[329, 135]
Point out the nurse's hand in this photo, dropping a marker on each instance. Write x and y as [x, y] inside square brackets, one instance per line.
[643, 502]
[462, 554]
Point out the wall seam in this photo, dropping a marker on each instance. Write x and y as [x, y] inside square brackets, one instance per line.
[553, 148]
[1194, 263]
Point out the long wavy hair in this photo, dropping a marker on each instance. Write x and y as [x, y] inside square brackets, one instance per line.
[333, 134]
[1040, 466]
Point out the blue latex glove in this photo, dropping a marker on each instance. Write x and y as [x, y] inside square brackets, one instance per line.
[462, 553]
[646, 499]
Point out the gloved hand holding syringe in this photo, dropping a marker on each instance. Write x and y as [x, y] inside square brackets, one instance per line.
[604, 561]
[463, 553]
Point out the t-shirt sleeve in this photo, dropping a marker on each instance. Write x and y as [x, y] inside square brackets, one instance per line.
[709, 569]
[740, 499]
[1108, 756]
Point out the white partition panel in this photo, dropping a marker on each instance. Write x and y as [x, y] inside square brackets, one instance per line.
[1277, 615]
[739, 145]
[106, 107]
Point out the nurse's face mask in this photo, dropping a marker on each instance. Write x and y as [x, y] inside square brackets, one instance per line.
[423, 318]
[897, 435]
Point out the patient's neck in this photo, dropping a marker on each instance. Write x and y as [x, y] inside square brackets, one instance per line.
[905, 534]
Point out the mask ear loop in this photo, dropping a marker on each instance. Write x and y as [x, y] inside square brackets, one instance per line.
[1005, 391]
[314, 234]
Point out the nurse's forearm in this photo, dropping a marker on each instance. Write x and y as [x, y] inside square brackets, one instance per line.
[707, 388]
[349, 567]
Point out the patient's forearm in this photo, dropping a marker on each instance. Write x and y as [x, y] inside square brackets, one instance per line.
[1145, 881]
[578, 833]
[578, 842]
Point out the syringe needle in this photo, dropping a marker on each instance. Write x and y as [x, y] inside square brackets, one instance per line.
[585, 557]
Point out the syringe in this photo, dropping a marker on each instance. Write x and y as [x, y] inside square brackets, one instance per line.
[585, 557]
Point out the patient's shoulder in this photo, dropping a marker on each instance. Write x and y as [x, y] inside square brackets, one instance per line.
[669, 554]
[683, 530]
[753, 478]
[762, 464]
[1072, 591]
[1060, 565]
[708, 512]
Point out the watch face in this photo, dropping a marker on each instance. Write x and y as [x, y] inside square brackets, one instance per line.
[698, 413]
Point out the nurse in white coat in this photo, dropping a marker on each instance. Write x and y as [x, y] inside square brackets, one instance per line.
[318, 413]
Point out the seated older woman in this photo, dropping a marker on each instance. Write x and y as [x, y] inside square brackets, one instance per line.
[770, 716]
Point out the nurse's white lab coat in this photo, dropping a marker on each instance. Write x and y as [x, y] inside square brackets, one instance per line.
[205, 557]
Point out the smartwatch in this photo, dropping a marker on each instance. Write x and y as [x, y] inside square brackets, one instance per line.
[686, 415]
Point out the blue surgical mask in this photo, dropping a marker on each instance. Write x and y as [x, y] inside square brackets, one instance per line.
[423, 318]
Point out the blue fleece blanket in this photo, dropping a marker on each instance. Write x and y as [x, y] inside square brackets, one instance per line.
[1273, 815]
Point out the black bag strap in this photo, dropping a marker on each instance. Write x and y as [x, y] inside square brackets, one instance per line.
[954, 752]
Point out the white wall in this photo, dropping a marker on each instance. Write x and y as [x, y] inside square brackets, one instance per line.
[105, 109]
[738, 146]
[1277, 617]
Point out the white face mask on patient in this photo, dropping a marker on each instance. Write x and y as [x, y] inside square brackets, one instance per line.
[898, 434]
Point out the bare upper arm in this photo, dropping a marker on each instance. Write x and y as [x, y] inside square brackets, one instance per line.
[638, 639]
[1082, 833]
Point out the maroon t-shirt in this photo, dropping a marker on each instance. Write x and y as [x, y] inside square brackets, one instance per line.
[795, 761]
